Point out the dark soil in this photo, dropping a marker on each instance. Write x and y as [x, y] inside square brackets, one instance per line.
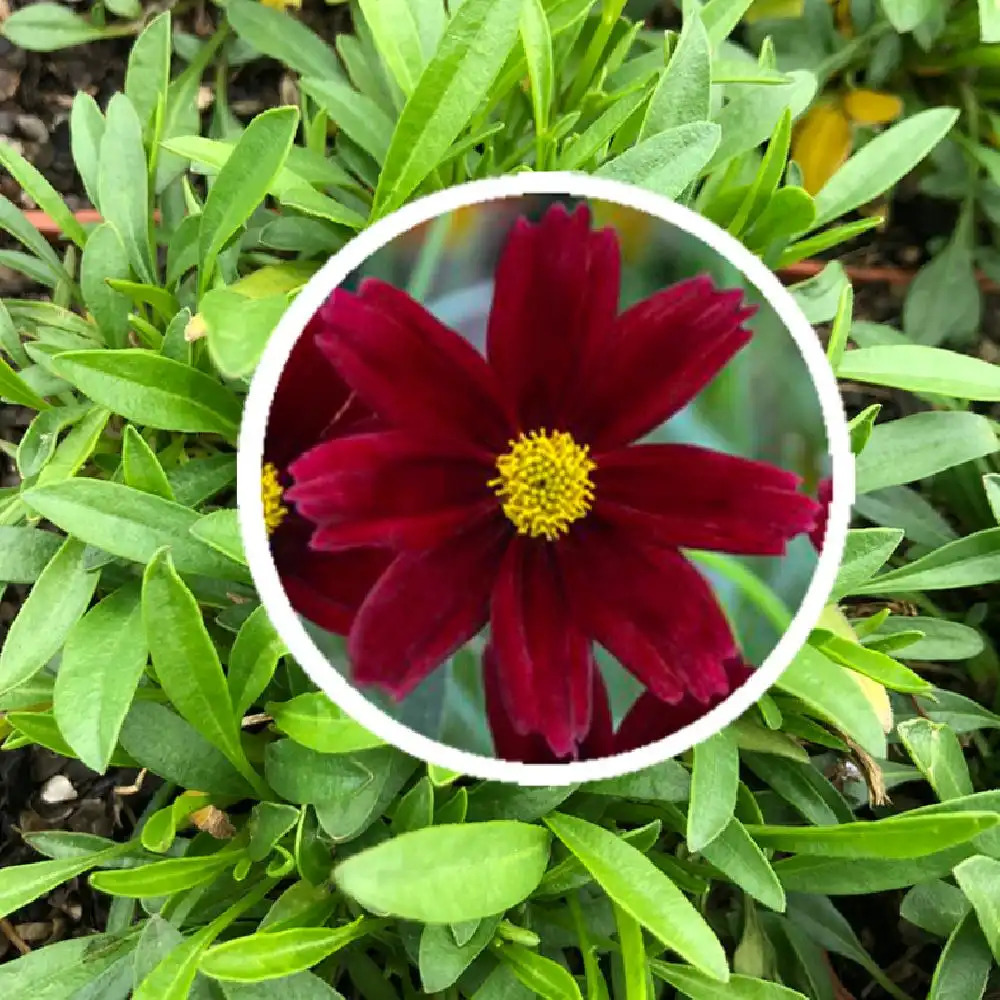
[40, 790]
[36, 94]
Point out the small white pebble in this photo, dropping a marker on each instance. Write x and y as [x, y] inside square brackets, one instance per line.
[58, 789]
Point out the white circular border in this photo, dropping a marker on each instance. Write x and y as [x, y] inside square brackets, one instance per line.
[250, 459]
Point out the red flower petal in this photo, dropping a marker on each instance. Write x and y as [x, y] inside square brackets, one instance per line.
[545, 662]
[412, 370]
[325, 588]
[599, 741]
[416, 531]
[531, 748]
[696, 498]
[650, 720]
[424, 607]
[666, 349]
[651, 609]
[508, 743]
[310, 403]
[390, 488]
[555, 300]
[824, 494]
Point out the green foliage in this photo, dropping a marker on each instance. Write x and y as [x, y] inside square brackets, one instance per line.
[921, 59]
[143, 643]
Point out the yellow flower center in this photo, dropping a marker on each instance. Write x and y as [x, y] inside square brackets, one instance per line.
[544, 483]
[271, 493]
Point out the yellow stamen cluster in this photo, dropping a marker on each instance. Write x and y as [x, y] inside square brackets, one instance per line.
[544, 483]
[271, 493]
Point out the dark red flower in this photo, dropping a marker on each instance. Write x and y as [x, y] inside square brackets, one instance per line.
[511, 489]
[312, 404]
[824, 494]
[533, 748]
[647, 721]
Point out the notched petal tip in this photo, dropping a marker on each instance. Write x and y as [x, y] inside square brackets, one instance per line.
[650, 720]
[559, 214]
[667, 348]
[555, 300]
[649, 607]
[328, 311]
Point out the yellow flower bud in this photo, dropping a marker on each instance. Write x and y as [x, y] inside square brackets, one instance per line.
[821, 144]
[871, 107]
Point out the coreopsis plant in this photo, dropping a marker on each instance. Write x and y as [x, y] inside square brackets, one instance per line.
[339, 866]
[513, 490]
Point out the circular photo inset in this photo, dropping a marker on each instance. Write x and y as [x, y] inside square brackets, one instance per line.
[538, 480]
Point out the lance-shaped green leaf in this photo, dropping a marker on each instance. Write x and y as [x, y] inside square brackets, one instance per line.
[186, 662]
[56, 602]
[243, 182]
[102, 662]
[636, 885]
[152, 390]
[475, 46]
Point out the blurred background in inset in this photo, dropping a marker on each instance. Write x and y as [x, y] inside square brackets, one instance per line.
[763, 406]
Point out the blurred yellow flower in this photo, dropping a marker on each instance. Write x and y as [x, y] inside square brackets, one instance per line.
[821, 143]
[871, 107]
[464, 222]
[824, 137]
[633, 228]
[282, 4]
[461, 226]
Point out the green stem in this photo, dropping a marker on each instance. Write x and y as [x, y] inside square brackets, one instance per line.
[597, 988]
[180, 906]
[887, 984]
[970, 105]
[610, 12]
[516, 158]
[925, 604]
[259, 785]
[540, 145]
[251, 899]
[755, 590]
